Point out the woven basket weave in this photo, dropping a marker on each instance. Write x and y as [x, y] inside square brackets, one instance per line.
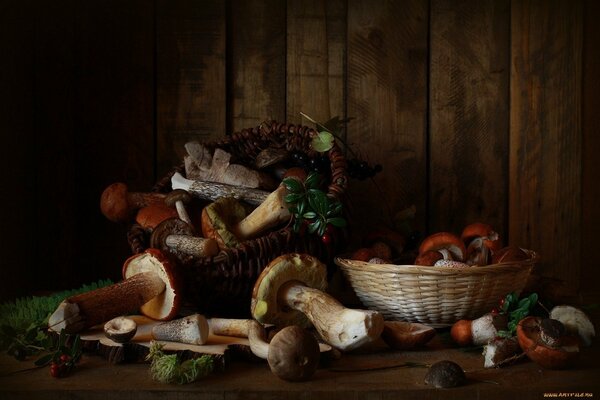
[436, 296]
[222, 285]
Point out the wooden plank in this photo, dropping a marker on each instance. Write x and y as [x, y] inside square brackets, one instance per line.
[17, 163]
[469, 113]
[113, 122]
[387, 97]
[590, 222]
[315, 59]
[191, 76]
[545, 154]
[257, 37]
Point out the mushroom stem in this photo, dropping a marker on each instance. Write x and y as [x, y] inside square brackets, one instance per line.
[193, 245]
[192, 329]
[85, 310]
[248, 328]
[268, 214]
[212, 190]
[182, 212]
[341, 327]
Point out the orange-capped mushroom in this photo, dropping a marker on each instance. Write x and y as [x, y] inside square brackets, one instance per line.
[481, 242]
[451, 246]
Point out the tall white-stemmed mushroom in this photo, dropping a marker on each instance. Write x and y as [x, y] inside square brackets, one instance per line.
[151, 285]
[179, 198]
[290, 290]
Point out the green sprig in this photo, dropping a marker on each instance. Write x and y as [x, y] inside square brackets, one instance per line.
[168, 368]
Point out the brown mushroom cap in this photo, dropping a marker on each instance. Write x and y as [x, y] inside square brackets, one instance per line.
[114, 204]
[293, 354]
[166, 305]
[445, 374]
[482, 230]
[401, 335]
[178, 195]
[219, 217]
[444, 240]
[510, 254]
[150, 216]
[528, 334]
[171, 226]
[120, 329]
[303, 268]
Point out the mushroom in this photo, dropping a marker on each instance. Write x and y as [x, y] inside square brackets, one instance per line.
[479, 331]
[118, 204]
[290, 290]
[499, 351]
[192, 329]
[120, 329]
[293, 353]
[545, 343]
[445, 374]
[178, 198]
[481, 241]
[449, 245]
[401, 335]
[150, 284]
[575, 321]
[150, 216]
[175, 236]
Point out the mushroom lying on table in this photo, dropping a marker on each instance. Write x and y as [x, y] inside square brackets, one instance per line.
[289, 291]
[293, 353]
[150, 284]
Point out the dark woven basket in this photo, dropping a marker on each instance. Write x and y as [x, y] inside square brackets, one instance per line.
[222, 285]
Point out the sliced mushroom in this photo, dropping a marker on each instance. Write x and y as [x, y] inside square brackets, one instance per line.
[192, 329]
[151, 285]
[290, 290]
[120, 329]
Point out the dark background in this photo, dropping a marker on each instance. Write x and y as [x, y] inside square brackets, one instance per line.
[478, 110]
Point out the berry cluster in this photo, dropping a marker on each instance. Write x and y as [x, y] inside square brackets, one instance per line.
[319, 164]
[361, 170]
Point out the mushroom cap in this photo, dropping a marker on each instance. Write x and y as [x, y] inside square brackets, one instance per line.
[293, 354]
[575, 321]
[170, 226]
[114, 204]
[120, 329]
[445, 374]
[428, 258]
[150, 216]
[266, 306]
[218, 219]
[401, 335]
[482, 230]
[177, 195]
[510, 254]
[444, 240]
[528, 334]
[462, 333]
[166, 305]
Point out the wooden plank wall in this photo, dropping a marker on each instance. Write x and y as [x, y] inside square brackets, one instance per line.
[477, 110]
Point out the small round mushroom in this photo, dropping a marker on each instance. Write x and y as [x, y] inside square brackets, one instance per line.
[445, 374]
[118, 204]
[179, 198]
[150, 216]
[174, 236]
[289, 291]
[450, 245]
[120, 329]
[293, 354]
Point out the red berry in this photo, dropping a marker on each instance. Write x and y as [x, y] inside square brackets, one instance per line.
[494, 311]
[64, 358]
[55, 370]
[326, 238]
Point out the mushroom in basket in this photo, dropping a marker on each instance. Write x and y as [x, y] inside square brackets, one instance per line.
[443, 248]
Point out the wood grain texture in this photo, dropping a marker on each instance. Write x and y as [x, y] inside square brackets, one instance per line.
[191, 76]
[387, 97]
[315, 59]
[590, 222]
[256, 54]
[468, 133]
[545, 153]
[17, 158]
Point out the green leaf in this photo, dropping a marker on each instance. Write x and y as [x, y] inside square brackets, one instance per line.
[44, 360]
[312, 181]
[292, 185]
[319, 202]
[314, 226]
[292, 198]
[309, 215]
[338, 222]
[322, 142]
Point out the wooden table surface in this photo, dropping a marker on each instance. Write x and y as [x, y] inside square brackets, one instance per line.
[95, 378]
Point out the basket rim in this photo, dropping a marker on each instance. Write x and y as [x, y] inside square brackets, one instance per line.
[357, 266]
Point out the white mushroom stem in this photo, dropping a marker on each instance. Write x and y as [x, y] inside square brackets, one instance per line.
[212, 190]
[85, 310]
[485, 328]
[251, 329]
[182, 212]
[341, 327]
[192, 329]
[193, 245]
[270, 213]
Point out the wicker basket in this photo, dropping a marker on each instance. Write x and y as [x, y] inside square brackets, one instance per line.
[436, 296]
[222, 285]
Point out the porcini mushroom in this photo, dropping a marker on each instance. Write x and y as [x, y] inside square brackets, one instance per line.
[150, 284]
[179, 198]
[118, 204]
[290, 290]
[175, 236]
[120, 329]
[192, 329]
[293, 353]
[450, 245]
[479, 331]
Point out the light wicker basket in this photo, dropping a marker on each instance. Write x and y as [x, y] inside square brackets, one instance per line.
[436, 296]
